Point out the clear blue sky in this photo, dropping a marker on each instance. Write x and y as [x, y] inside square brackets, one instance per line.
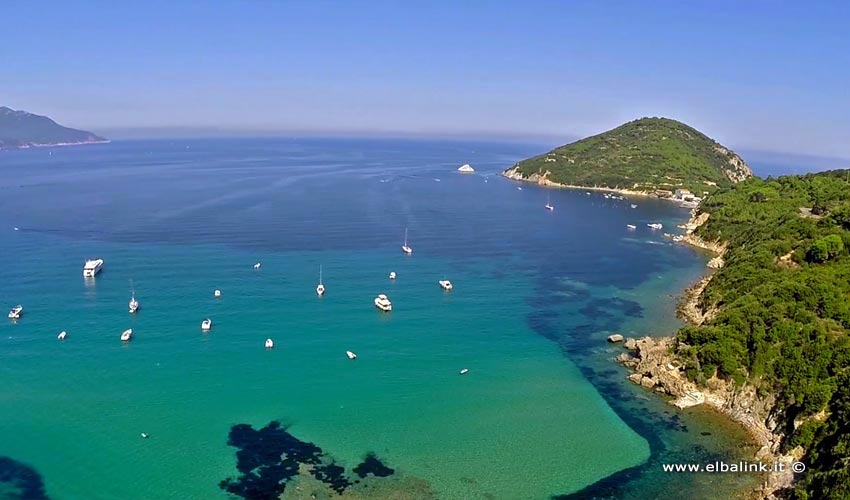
[753, 74]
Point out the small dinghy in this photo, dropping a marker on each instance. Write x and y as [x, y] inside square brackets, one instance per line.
[269, 343]
[464, 371]
[144, 435]
[257, 265]
[217, 293]
[62, 335]
[350, 355]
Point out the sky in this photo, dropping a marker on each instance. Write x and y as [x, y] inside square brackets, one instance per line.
[763, 75]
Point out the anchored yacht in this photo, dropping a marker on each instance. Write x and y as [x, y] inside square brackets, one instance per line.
[257, 265]
[446, 285]
[92, 267]
[383, 303]
[16, 312]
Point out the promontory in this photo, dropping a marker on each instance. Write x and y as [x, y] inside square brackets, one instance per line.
[651, 156]
[21, 129]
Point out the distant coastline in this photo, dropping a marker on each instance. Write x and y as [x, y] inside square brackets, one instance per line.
[52, 144]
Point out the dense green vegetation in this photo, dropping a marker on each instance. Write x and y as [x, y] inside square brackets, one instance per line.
[782, 312]
[19, 129]
[644, 155]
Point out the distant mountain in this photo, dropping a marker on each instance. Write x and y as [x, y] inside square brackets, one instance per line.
[643, 155]
[19, 129]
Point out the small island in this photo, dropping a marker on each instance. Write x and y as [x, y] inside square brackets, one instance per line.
[649, 157]
[21, 130]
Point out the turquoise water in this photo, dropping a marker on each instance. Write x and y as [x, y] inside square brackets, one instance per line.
[543, 411]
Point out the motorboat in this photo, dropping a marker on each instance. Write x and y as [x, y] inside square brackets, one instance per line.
[350, 355]
[446, 285]
[127, 335]
[62, 335]
[383, 303]
[15, 312]
[269, 343]
[405, 247]
[257, 265]
[320, 288]
[654, 225]
[464, 371]
[217, 293]
[392, 275]
[548, 205]
[634, 206]
[631, 226]
[134, 304]
[206, 325]
[92, 267]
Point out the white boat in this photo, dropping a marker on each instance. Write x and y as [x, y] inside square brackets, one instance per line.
[350, 355]
[654, 225]
[320, 288]
[519, 188]
[92, 267]
[206, 325]
[217, 293]
[257, 265]
[405, 247]
[383, 303]
[144, 435]
[634, 206]
[134, 304]
[269, 343]
[446, 285]
[631, 226]
[392, 275]
[464, 371]
[16, 312]
[548, 204]
[466, 168]
[127, 335]
[62, 335]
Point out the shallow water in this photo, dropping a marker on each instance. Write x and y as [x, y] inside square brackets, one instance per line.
[542, 412]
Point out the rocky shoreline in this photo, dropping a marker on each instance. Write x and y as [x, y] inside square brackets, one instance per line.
[656, 365]
[541, 180]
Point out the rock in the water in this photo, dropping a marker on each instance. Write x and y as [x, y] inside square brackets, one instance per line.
[635, 377]
[647, 382]
[615, 338]
[631, 344]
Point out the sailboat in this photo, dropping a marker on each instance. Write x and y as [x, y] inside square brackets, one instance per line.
[549, 203]
[320, 289]
[406, 248]
[134, 304]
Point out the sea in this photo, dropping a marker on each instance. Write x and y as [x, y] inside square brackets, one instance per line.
[543, 412]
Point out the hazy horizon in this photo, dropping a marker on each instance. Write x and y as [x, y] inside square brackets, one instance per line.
[751, 78]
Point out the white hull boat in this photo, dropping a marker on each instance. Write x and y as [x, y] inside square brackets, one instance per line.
[446, 285]
[92, 267]
[206, 325]
[127, 335]
[383, 303]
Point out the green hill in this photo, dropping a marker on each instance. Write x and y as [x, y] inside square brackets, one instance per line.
[19, 129]
[779, 314]
[644, 155]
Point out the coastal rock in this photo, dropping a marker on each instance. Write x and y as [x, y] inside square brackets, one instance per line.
[635, 377]
[630, 344]
[615, 338]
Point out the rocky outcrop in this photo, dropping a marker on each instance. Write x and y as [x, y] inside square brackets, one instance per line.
[615, 338]
[736, 169]
[655, 365]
